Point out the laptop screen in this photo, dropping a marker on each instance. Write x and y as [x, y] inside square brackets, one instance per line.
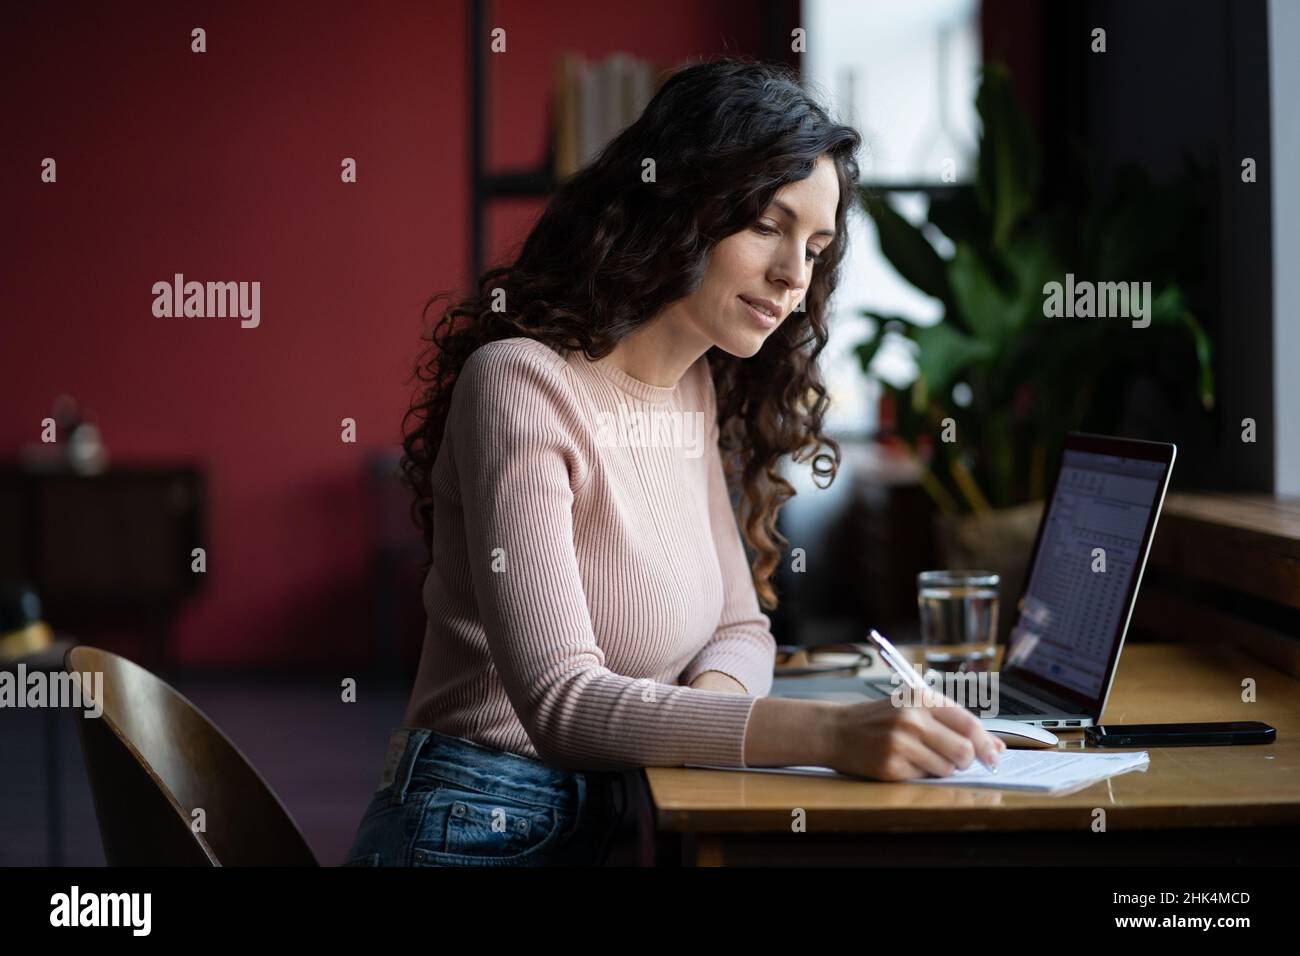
[1092, 545]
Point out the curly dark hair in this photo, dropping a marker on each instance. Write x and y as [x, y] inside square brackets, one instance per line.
[610, 251]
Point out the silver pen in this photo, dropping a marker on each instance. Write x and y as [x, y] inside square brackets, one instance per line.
[905, 670]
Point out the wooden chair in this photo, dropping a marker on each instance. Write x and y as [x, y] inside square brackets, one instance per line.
[153, 758]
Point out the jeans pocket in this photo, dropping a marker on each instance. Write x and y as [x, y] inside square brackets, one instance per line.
[464, 827]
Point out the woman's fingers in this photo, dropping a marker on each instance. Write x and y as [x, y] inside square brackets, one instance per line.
[919, 751]
[900, 768]
[954, 733]
[957, 749]
[962, 721]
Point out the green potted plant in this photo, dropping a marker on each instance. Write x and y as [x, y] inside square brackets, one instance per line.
[1011, 366]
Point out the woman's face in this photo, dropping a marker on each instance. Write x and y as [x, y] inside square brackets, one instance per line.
[772, 259]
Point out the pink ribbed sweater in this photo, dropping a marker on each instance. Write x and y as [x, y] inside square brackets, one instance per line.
[582, 575]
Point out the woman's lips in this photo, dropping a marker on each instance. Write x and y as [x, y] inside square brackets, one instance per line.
[762, 318]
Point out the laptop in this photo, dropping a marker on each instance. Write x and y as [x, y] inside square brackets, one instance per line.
[1072, 616]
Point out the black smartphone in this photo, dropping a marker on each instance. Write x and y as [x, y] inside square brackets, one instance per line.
[1180, 735]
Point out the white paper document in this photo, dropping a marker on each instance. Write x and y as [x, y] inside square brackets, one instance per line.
[1029, 771]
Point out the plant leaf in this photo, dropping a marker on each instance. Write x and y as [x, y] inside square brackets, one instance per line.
[866, 351]
[1169, 309]
[882, 319]
[958, 216]
[908, 250]
[945, 352]
[1007, 179]
[988, 313]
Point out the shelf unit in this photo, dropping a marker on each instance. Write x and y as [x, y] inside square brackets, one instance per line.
[486, 187]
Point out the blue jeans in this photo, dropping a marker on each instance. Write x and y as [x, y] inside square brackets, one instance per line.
[447, 801]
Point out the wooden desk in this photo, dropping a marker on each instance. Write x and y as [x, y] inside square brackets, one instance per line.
[1193, 805]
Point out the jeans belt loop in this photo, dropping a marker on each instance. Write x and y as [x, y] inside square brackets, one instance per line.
[414, 740]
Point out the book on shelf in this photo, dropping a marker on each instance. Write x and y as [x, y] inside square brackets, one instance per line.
[594, 101]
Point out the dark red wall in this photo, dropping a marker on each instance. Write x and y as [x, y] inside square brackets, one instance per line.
[225, 166]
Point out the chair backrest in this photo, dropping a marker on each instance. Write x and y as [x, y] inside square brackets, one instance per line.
[153, 758]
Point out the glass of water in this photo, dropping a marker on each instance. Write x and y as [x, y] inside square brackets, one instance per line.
[959, 619]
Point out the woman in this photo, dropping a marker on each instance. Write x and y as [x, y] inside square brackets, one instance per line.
[591, 611]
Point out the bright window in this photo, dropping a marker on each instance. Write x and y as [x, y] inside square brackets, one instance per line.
[904, 74]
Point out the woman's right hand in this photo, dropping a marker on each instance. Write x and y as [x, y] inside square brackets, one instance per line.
[931, 737]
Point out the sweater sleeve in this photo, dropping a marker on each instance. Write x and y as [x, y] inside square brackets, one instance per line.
[742, 646]
[521, 446]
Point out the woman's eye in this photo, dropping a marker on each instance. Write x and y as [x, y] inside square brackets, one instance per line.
[768, 231]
